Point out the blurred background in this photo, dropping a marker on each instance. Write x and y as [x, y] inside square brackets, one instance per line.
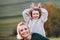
[11, 15]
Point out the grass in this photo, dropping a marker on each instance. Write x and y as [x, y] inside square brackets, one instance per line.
[55, 38]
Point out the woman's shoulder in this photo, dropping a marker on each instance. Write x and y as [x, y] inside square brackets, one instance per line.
[38, 36]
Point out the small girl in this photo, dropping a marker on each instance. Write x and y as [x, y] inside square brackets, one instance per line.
[36, 19]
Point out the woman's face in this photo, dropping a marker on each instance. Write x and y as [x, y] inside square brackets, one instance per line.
[35, 14]
[24, 31]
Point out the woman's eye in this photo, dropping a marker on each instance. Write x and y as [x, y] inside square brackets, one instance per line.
[25, 28]
[21, 30]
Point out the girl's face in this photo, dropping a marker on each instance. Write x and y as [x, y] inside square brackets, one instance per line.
[35, 14]
[24, 31]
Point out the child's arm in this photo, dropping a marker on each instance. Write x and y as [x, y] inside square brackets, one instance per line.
[26, 15]
[44, 15]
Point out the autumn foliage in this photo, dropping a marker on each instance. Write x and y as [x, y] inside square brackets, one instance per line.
[52, 26]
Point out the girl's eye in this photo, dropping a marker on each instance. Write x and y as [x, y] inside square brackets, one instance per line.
[25, 28]
[36, 13]
[33, 14]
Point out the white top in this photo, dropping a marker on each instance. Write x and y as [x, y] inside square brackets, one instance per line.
[37, 26]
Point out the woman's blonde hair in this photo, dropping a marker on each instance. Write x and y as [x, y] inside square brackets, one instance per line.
[18, 27]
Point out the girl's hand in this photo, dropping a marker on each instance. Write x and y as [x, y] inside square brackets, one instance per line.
[39, 5]
[32, 6]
